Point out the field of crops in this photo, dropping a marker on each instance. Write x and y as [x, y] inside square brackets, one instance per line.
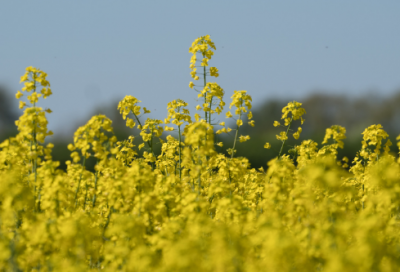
[191, 208]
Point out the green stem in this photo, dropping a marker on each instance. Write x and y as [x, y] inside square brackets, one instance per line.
[108, 220]
[34, 162]
[84, 203]
[180, 156]
[283, 142]
[205, 83]
[149, 143]
[234, 141]
[151, 146]
[237, 132]
[230, 181]
[152, 137]
[140, 124]
[209, 116]
[199, 193]
[95, 189]
[80, 178]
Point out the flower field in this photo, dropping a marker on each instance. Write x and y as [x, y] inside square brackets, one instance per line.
[191, 208]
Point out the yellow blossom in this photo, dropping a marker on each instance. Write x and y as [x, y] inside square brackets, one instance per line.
[130, 123]
[22, 104]
[19, 95]
[244, 138]
[282, 136]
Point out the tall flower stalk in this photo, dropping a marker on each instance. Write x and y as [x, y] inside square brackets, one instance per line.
[33, 123]
[150, 129]
[242, 102]
[177, 115]
[203, 46]
[293, 111]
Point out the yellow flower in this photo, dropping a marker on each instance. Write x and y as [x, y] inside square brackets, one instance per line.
[75, 157]
[141, 146]
[130, 123]
[18, 95]
[128, 105]
[267, 145]
[276, 124]
[214, 72]
[28, 86]
[71, 147]
[220, 144]
[204, 62]
[282, 136]
[46, 92]
[24, 78]
[21, 104]
[295, 109]
[191, 85]
[228, 114]
[251, 123]
[338, 133]
[296, 135]
[239, 122]
[244, 138]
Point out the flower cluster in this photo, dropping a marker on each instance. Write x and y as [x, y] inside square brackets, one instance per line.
[128, 105]
[33, 123]
[203, 45]
[242, 102]
[178, 113]
[293, 111]
[192, 205]
[92, 136]
[337, 133]
[126, 153]
[211, 91]
[372, 136]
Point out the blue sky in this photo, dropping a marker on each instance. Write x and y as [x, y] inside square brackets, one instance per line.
[96, 52]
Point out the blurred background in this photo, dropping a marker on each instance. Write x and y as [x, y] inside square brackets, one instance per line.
[341, 59]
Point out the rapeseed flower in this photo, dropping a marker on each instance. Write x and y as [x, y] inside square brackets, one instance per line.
[163, 212]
